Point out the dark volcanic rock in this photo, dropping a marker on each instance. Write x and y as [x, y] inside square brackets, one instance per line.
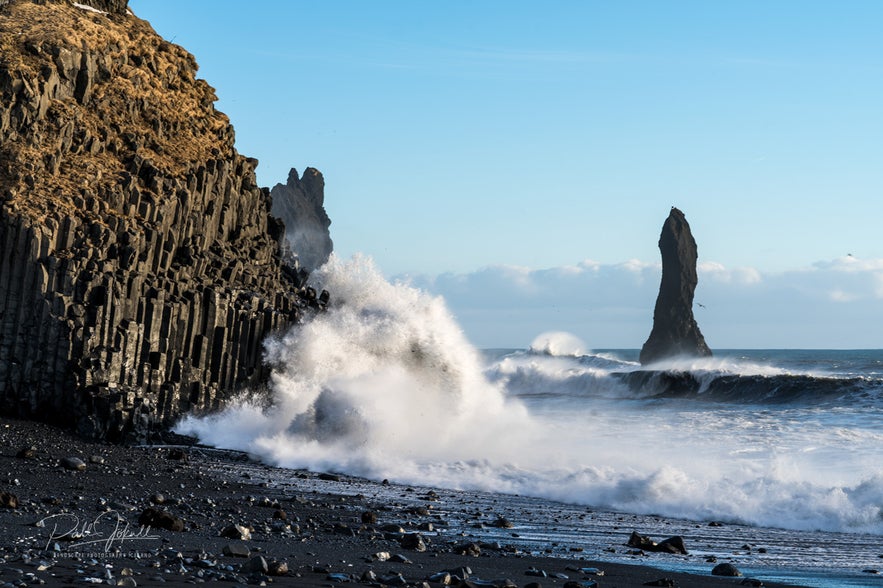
[725, 569]
[8, 500]
[675, 332]
[299, 204]
[160, 519]
[236, 532]
[413, 541]
[671, 545]
[73, 463]
[140, 264]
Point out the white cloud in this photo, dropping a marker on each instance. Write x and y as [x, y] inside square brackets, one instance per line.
[829, 304]
[712, 270]
[841, 296]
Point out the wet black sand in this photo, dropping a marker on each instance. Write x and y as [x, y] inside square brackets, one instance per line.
[323, 538]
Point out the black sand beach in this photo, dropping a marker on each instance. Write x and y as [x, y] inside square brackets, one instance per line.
[294, 538]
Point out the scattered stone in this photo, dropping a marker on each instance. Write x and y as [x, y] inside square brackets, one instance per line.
[661, 582]
[236, 550]
[158, 499]
[381, 556]
[398, 558]
[96, 459]
[392, 528]
[73, 463]
[176, 454]
[393, 579]
[280, 514]
[725, 569]
[344, 529]
[461, 573]
[751, 582]
[369, 518]
[470, 549]
[255, 565]
[368, 577]
[581, 584]
[641, 542]
[277, 568]
[8, 500]
[236, 532]
[329, 477]
[129, 582]
[160, 519]
[673, 545]
[26, 453]
[413, 541]
[503, 523]
[443, 578]
[871, 571]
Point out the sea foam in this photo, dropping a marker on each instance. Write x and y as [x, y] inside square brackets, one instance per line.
[385, 385]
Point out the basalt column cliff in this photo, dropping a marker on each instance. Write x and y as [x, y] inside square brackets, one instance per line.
[140, 266]
[675, 332]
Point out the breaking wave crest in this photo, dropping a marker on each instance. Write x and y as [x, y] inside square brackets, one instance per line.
[385, 385]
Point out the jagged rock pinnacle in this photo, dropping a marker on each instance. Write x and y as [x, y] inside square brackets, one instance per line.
[675, 332]
[299, 204]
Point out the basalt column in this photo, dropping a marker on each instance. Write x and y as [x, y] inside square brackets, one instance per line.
[140, 263]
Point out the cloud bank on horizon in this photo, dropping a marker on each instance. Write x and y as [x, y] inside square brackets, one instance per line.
[830, 304]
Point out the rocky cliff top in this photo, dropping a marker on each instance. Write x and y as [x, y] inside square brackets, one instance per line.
[108, 84]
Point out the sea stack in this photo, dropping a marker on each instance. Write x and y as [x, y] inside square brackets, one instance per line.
[140, 264]
[675, 332]
[299, 203]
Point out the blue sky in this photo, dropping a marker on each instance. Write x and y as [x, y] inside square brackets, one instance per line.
[475, 139]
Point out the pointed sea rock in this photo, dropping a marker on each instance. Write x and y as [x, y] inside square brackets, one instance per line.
[300, 205]
[675, 332]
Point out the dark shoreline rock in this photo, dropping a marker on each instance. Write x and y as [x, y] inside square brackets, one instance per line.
[673, 545]
[675, 332]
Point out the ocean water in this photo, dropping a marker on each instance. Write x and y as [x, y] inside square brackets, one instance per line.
[386, 386]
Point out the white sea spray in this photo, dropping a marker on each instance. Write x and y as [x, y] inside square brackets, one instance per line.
[385, 385]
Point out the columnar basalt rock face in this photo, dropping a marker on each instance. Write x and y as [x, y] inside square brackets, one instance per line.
[140, 266]
[675, 332]
[299, 203]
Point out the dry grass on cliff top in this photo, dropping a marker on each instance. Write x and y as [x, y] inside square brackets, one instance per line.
[151, 93]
